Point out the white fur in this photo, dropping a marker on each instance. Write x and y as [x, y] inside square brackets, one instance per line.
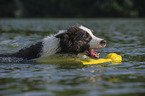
[50, 46]
[60, 32]
[95, 42]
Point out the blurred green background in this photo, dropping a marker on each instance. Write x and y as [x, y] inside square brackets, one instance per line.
[72, 8]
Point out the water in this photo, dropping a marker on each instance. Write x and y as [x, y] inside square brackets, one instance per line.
[124, 37]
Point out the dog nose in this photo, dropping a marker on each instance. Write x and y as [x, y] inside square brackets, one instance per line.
[103, 42]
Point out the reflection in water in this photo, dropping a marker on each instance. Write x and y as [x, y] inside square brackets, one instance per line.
[113, 80]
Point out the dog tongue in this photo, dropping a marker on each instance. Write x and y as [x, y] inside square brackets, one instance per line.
[92, 53]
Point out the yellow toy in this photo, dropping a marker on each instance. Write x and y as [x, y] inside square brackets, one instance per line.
[112, 57]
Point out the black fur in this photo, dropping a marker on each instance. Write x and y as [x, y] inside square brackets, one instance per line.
[74, 41]
[27, 53]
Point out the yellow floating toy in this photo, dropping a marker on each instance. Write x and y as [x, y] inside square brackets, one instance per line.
[112, 57]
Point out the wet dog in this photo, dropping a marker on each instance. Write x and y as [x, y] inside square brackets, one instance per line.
[77, 39]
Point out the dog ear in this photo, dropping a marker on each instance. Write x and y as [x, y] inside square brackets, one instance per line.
[74, 42]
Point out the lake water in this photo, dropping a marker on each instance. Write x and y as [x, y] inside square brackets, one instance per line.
[125, 37]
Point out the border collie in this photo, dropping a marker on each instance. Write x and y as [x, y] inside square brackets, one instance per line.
[77, 39]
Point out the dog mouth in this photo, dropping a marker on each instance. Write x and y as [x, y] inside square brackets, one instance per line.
[92, 53]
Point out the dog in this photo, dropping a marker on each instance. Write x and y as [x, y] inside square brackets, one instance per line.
[77, 39]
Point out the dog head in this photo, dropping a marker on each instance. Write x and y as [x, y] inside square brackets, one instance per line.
[79, 39]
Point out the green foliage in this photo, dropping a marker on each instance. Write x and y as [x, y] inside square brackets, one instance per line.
[72, 8]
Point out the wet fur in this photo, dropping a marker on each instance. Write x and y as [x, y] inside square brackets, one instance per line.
[76, 39]
[27, 53]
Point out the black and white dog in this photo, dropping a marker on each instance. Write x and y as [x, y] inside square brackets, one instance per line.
[75, 40]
